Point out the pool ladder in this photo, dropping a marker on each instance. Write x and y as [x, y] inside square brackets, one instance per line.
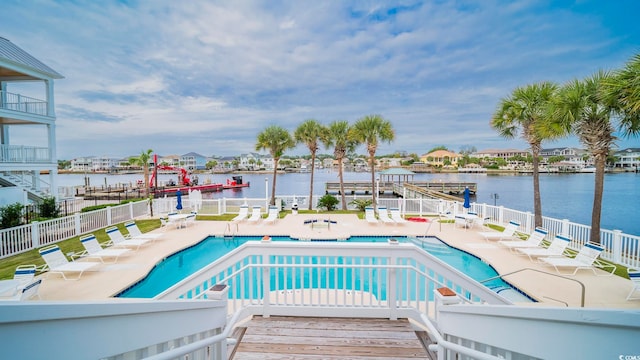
[230, 232]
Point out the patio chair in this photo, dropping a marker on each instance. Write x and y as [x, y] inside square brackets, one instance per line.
[56, 262]
[586, 258]
[460, 221]
[384, 215]
[23, 286]
[534, 240]
[93, 249]
[256, 214]
[135, 232]
[272, 215]
[118, 240]
[555, 249]
[370, 215]
[190, 219]
[634, 276]
[507, 233]
[242, 215]
[396, 216]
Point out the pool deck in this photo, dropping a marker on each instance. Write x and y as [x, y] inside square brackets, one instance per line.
[109, 279]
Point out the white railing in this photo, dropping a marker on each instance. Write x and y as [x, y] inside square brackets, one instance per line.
[382, 277]
[17, 102]
[23, 238]
[110, 329]
[25, 154]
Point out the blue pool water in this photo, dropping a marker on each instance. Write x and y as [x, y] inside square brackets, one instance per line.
[180, 265]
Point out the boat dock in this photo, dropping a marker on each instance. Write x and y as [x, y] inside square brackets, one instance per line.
[388, 187]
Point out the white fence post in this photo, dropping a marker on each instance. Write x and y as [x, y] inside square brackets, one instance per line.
[391, 289]
[131, 211]
[108, 209]
[529, 222]
[35, 234]
[501, 214]
[617, 246]
[266, 285]
[77, 222]
[222, 206]
[565, 227]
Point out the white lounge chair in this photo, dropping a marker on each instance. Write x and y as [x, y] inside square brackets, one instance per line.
[460, 221]
[135, 232]
[396, 216]
[533, 241]
[370, 215]
[242, 215]
[118, 240]
[23, 286]
[93, 249]
[58, 263]
[190, 219]
[634, 276]
[587, 258]
[384, 215]
[507, 233]
[256, 214]
[556, 248]
[272, 215]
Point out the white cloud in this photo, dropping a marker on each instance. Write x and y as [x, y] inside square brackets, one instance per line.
[208, 76]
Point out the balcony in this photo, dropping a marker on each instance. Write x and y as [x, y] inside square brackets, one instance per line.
[20, 154]
[21, 103]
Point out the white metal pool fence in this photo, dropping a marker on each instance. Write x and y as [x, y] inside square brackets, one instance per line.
[621, 248]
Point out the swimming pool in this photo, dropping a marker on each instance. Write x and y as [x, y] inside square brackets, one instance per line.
[180, 265]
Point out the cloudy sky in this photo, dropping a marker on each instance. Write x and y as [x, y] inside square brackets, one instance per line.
[208, 76]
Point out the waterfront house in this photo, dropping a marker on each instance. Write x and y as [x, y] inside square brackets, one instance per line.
[21, 165]
[505, 154]
[193, 161]
[628, 158]
[441, 158]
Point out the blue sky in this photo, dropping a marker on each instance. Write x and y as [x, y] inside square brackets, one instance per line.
[208, 76]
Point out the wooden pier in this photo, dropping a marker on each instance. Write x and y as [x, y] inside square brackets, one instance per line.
[364, 187]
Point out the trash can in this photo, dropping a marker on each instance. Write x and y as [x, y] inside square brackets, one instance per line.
[294, 209]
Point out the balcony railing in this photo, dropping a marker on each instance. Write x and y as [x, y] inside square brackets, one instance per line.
[21, 103]
[24, 154]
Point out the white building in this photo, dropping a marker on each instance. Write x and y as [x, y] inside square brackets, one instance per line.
[30, 104]
[628, 158]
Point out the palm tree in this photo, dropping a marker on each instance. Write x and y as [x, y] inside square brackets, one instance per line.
[581, 108]
[523, 112]
[276, 140]
[370, 130]
[143, 161]
[338, 137]
[310, 132]
[622, 91]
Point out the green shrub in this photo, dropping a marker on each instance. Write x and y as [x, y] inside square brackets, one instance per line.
[11, 215]
[361, 204]
[96, 207]
[49, 208]
[328, 202]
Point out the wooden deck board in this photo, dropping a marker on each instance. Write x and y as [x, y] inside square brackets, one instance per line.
[328, 338]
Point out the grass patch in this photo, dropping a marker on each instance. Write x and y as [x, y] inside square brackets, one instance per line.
[73, 245]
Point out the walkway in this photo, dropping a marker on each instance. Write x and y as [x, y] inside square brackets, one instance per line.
[108, 280]
[328, 338]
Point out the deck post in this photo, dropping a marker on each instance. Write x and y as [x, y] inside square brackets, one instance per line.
[266, 281]
[617, 246]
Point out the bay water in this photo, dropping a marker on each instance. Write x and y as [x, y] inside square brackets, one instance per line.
[564, 196]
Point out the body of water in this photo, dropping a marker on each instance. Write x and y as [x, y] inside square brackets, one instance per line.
[564, 196]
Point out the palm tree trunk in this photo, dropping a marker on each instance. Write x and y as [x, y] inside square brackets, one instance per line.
[600, 161]
[313, 167]
[373, 182]
[344, 199]
[273, 183]
[146, 180]
[537, 204]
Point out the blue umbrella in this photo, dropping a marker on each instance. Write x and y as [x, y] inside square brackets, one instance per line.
[466, 204]
[179, 198]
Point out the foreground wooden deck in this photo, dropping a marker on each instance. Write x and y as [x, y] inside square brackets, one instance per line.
[328, 338]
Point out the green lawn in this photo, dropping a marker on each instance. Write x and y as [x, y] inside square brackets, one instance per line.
[73, 245]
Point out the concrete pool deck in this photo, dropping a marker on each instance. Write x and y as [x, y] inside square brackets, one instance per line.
[110, 279]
